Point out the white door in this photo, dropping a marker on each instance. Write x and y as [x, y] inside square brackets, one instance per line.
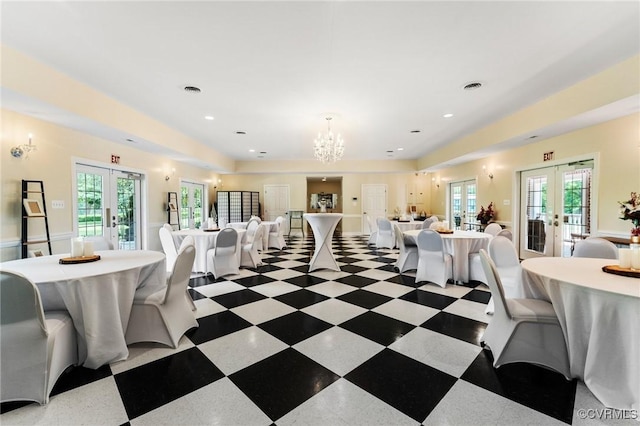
[463, 202]
[193, 209]
[276, 203]
[374, 204]
[555, 209]
[108, 204]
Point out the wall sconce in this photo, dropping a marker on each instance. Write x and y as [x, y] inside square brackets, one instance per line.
[25, 149]
[169, 173]
[218, 184]
[486, 172]
[435, 182]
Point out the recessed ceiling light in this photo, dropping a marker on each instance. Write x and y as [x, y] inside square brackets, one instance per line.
[208, 117]
[252, 150]
[192, 89]
[472, 86]
[240, 132]
[400, 149]
[415, 131]
[448, 115]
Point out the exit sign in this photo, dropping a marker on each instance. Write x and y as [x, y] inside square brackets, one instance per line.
[547, 156]
[115, 159]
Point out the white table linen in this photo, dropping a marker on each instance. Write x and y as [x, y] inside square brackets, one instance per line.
[458, 245]
[323, 225]
[204, 240]
[98, 295]
[600, 316]
[267, 225]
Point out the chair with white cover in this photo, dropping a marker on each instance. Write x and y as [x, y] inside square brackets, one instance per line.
[223, 258]
[505, 233]
[408, 257]
[595, 247]
[427, 223]
[164, 316]
[168, 247]
[505, 257]
[523, 330]
[373, 230]
[434, 225]
[385, 237]
[276, 239]
[252, 225]
[493, 229]
[188, 241]
[35, 348]
[250, 257]
[99, 242]
[434, 265]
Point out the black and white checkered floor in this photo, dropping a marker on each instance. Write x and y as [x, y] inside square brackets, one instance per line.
[279, 345]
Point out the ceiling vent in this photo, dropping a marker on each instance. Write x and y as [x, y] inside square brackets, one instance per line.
[472, 86]
[192, 89]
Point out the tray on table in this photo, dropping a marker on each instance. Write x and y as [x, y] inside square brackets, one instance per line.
[78, 259]
[625, 272]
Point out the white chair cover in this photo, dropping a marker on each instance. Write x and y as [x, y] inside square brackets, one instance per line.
[408, 258]
[252, 226]
[223, 259]
[385, 237]
[276, 239]
[434, 225]
[373, 230]
[427, 223]
[505, 257]
[505, 233]
[168, 247]
[523, 330]
[35, 348]
[434, 265]
[164, 316]
[100, 243]
[250, 256]
[595, 247]
[493, 229]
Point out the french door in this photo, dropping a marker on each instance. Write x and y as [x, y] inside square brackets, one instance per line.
[555, 209]
[192, 204]
[374, 204]
[463, 197]
[108, 204]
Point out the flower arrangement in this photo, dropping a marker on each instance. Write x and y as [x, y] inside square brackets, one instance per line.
[487, 214]
[630, 210]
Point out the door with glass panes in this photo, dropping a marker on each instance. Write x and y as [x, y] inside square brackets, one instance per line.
[555, 209]
[193, 210]
[463, 206]
[108, 204]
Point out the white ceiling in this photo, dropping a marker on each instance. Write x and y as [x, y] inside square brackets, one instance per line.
[275, 69]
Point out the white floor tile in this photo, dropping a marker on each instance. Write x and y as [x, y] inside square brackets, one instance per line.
[402, 310]
[262, 310]
[332, 288]
[282, 274]
[218, 288]
[469, 309]
[388, 289]
[206, 307]
[334, 311]
[275, 288]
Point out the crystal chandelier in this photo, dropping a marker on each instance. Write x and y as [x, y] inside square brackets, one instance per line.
[328, 148]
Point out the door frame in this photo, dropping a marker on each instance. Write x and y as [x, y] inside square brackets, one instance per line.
[365, 224]
[269, 186]
[205, 198]
[144, 191]
[516, 189]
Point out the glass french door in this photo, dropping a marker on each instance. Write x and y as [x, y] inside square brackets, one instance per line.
[463, 196]
[555, 209]
[192, 204]
[108, 204]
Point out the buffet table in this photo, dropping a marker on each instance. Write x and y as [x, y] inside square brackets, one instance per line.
[323, 225]
[600, 317]
[98, 295]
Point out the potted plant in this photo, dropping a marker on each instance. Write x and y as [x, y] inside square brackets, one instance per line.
[486, 215]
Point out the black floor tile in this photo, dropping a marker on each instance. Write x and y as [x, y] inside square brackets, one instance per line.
[346, 259]
[402, 382]
[283, 381]
[302, 298]
[238, 298]
[530, 385]
[253, 280]
[305, 280]
[79, 376]
[268, 267]
[217, 325]
[356, 280]
[294, 327]
[427, 298]
[352, 269]
[403, 279]
[196, 295]
[379, 328]
[477, 296]
[154, 384]
[365, 299]
[466, 329]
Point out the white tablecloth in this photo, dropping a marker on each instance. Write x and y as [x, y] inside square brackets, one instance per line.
[98, 295]
[323, 225]
[600, 317]
[267, 226]
[458, 245]
[204, 241]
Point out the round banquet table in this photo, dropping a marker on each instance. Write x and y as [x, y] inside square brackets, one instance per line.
[458, 245]
[323, 225]
[98, 295]
[204, 240]
[600, 316]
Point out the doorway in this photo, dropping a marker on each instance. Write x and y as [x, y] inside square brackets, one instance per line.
[107, 204]
[192, 206]
[555, 209]
[463, 204]
[374, 204]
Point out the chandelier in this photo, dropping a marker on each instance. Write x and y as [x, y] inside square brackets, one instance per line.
[328, 148]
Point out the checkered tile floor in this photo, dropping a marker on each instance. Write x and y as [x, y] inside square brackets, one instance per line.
[279, 345]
